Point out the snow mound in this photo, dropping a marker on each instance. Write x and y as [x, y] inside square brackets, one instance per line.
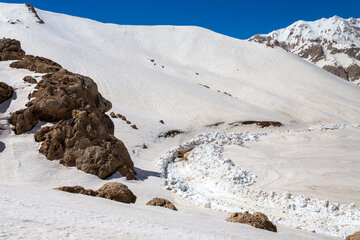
[206, 179]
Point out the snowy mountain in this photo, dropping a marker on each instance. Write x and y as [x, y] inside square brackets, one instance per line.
[332, 44]
[232, 103]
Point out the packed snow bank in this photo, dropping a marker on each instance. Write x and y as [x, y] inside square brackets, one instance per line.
[206, 179]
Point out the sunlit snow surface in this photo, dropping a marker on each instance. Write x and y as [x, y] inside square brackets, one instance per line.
[208, 180]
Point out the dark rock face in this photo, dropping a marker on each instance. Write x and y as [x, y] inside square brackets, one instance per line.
[113, 191]
[261, 124]
[87, 143]
[32, 9]
[30, 79]
[170, 133]
[161, 202]
[314, 53]
[258, 220]
[355, 236]
[37, 64]
[337, 70]
[353, 72]
[117, 192]
[10, 49]
[5, 92]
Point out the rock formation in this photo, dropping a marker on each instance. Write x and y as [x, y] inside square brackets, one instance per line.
[6, 92]
[83, 135]
[355, 236]
[161, 202]
[32, 9]
[117, 192]
[257, 220]
[113, 191]
[37, 64]
[10, 49]
[30, 79]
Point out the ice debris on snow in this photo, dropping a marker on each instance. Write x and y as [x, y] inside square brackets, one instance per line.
[206, 179]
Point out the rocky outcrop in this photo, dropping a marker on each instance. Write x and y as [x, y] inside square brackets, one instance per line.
[258, 220]
[77, 189]
[261, 124]
[355, 236]
[32, 10]
[30, 79]
[113, 191]
[337, 70]
[161, 202]
[37, 64]
[83, 135]
[6, 92]
[170, 133]
[353, 72]
[314, 53]
[87, 142]
[117, 192]
[10, 49]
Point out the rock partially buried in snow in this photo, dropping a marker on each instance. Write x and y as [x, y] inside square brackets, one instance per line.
[161, 202]
[112, 190]
[77, 189]
[37, 64]
[30, 79]
[258, 220]
[6, 92]
[355, 236]
[117, 192]
[10, 49]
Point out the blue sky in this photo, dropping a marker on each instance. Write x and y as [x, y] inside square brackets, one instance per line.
[240, 19]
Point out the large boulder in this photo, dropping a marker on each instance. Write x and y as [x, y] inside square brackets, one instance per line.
[6, 92]
[161, 202]
[37, 64]
[57, 95]
[355, 236]
[116, 191]
[10, 49]
[88, 143]
[258, 220]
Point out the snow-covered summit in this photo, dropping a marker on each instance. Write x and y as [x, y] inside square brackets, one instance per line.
[331, 43]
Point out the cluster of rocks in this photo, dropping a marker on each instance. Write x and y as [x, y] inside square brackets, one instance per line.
[32, 10]
[118, 115]
[113, 190]
[257, 220]
[355, 236]
[83, 135]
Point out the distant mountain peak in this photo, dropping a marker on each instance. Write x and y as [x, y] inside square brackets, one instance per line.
[331, 43]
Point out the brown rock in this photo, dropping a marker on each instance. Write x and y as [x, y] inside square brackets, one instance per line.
[10, 49]
[123, 118]
[134, 126]
[112, 114]
[128, 122]
[314, 53]
[258, 220]
[6, 92]
[355, 236]
[77, 189]
[37, 64]
[119, 115]
[337, 70]
[161, 202]
[30, 79]
[144, 146]
[57, 95]
[116, 191]
[170, 133]
[161, 121]
[353, 72]
[87, 143]
[32, 9]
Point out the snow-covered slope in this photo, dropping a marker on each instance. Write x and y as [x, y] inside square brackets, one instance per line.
[176, 74]
[333, 44]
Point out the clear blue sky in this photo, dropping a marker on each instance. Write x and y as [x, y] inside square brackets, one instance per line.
[240, 19]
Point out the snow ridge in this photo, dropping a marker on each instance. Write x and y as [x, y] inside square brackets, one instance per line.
[206, 179]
